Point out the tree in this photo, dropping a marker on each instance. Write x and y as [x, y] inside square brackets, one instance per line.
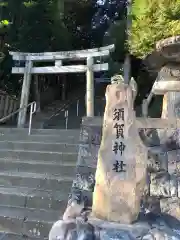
[42, 27]
[116, 35]
[35, 26]
[6, 61]
[78, 19]
[153, 20]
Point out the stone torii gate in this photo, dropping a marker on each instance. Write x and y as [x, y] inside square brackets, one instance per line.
[57, 58]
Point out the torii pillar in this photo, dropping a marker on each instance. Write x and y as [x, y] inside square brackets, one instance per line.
[25, 94]
[90, 88]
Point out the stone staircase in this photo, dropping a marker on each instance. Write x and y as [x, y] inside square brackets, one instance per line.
[58, 120]
[43, 118]
[36, 174]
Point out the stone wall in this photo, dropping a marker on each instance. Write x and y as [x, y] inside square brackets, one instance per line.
[163, 187]
[83, 184]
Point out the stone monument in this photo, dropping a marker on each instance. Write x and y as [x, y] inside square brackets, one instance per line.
[122, 159]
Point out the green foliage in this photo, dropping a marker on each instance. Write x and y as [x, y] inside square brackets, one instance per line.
[4, 23]
[30, 4]
[153, 20]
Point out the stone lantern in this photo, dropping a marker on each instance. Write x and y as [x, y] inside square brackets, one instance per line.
[166, 61]
[169, 75]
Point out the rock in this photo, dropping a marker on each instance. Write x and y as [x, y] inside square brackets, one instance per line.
[171, 206]
[112, 230]
[126, 232]
[114, 234]
[72, 230]
[166, 227]
[158, 235]
[85, 231]
[122, 160]
[63, 230]
[157, 160]
[153, 227]
[149, 137]
[157, 230]
[163, 184]
[174, 161]
[73, 210]
[84, 179]
[151, 204]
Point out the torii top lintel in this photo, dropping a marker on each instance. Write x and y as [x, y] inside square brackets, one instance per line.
[72, 55]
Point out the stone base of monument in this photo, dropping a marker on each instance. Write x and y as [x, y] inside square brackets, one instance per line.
[148, 228]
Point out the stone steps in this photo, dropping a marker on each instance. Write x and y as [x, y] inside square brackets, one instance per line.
[58, 157]
[55, 132]
[59, 122]
[39, 146]
[33, 198]
[37, 167]
[27, 221]
[41, 119]
[12, 236]
[40, 138]
[36, 174]
[35, 180]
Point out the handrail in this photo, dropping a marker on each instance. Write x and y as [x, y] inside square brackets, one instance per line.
[32, 106]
